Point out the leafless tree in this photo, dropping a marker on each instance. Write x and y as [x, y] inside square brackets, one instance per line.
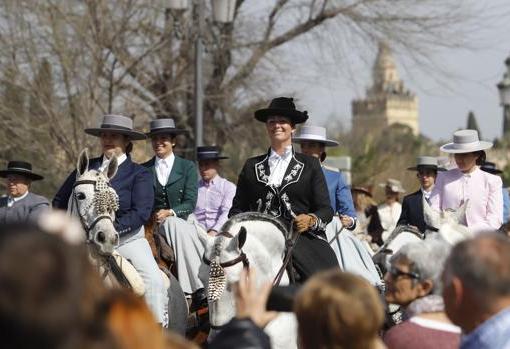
[64, 63]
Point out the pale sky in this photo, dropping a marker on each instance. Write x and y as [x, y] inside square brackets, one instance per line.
[444, 99]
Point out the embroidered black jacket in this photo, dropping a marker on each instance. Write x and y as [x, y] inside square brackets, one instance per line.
[303, 190]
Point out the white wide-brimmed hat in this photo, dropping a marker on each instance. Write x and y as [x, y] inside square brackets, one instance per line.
[317, 134]
[424, 162]
[394, 185]
[465, 141]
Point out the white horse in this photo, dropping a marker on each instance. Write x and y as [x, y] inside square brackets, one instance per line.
[250, 238]
[446, 222]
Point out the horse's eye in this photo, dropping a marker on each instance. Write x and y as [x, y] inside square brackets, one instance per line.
[80, 196]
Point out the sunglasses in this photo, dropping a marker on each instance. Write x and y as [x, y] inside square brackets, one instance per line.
[396, 273]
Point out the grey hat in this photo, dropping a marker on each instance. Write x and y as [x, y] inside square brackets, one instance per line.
[314, 134]
[163, 126]
[394, 185]
[117, 124]
[426, 162]
[465, 141]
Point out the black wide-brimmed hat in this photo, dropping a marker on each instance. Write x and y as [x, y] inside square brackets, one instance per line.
[209, 152]
[282, 106]
[21, 168]
[426, 162]
[164, 126]
[117, 124]
[490, 167]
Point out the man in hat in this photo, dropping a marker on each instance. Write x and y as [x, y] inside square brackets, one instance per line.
[313, 142]
[390, 210]
[490, 167]
[20, 205]
[215, 193]
[290, 187]
[412, 206]
[175, 196]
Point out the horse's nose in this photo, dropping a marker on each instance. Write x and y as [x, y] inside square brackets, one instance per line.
[115, 239]
[101, 238]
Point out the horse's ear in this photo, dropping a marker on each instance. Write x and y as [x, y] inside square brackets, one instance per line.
[82, 165]
[461, 212]
[111, 170]
[241, 237]
[431, 217]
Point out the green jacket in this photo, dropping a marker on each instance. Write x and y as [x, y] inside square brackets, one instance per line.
[181, 188]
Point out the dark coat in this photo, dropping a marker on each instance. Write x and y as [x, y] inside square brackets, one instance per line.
[304, 189]
[412, 211]
[303, 184]
[133, 184]
[24, 210]
[241, 334]
[182, 187]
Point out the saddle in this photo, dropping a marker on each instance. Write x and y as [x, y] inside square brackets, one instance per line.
[163, 253]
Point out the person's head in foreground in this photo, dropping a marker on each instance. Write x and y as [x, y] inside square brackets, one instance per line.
[476, 282]
[335, 309]
[415, 271]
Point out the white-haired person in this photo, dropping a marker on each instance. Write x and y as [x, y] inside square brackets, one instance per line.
[468, 184]
[414, 282]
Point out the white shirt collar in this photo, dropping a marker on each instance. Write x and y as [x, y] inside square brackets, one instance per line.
[425, 192]
[169, 160]
[287, 152]
[120, 160]
[18, 198]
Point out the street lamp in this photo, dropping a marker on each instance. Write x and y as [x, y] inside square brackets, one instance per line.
[223, 11]
[504, 97]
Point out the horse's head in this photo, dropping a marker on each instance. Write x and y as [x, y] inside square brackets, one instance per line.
[248, 237]
[448, 222]
[225, 259]
[95, 203]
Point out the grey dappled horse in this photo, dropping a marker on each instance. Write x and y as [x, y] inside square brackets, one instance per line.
[94, 202]
[250, 238]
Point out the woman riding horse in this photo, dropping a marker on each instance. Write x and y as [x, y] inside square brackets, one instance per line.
[289, 186]
[467, 183]
[133, 184]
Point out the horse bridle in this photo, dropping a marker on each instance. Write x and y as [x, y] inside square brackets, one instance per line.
[241, 258]
[99, 218]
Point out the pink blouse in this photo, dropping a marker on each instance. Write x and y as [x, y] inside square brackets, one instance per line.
[484, 191]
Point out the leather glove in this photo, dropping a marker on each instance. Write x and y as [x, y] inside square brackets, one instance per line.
[303, 222]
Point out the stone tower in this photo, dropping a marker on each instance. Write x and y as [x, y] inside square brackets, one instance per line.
[387, 102]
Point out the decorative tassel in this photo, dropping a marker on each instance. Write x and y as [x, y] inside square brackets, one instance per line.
[217, 282]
